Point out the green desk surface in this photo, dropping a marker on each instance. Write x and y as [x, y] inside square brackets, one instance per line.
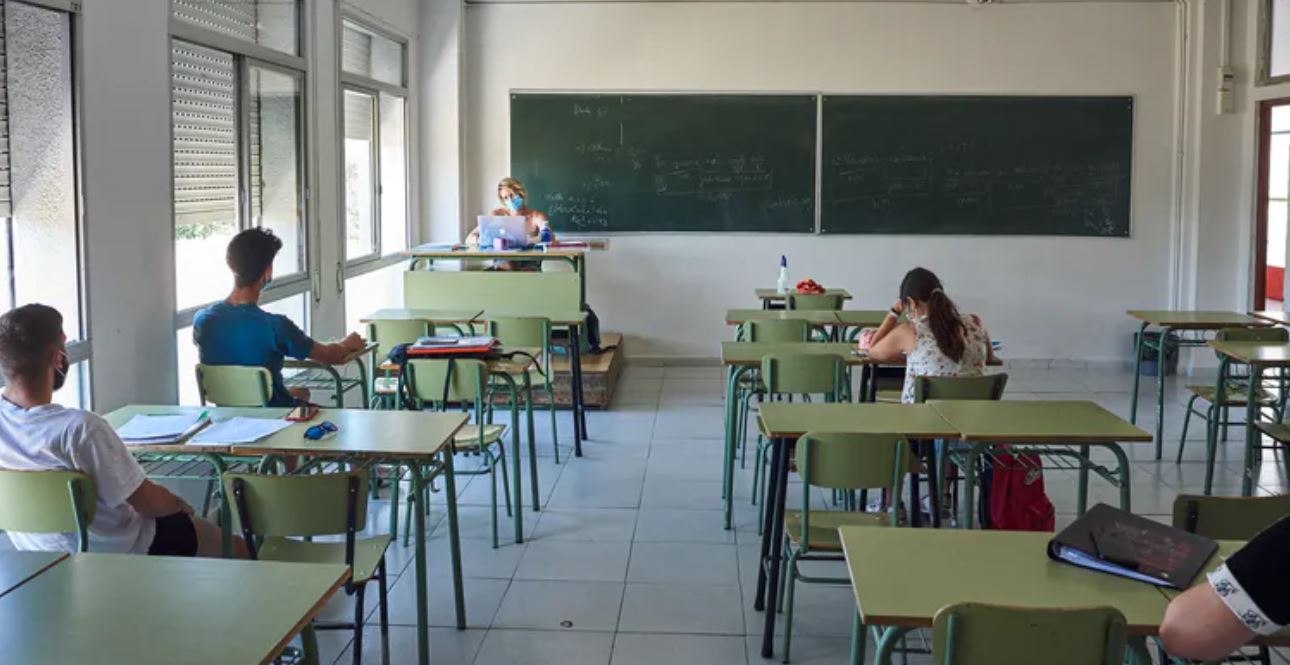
[123, 415]
[1276, 316]
[384, 434]
[1194, 320]
[995, 567]
[790, 420]
[749, 354]
[1010, 421]
[1263, 354]
[435, 315]
[123, 608]
[474, 252]
[774, 294]
[817, 317]
[18, 567]
[861, 317]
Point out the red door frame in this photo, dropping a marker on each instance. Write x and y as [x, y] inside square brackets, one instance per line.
[1261, 208]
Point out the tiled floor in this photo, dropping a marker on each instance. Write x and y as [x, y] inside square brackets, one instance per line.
[627, 563]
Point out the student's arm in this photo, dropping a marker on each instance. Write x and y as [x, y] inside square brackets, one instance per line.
[153, 500]
[1248, 595]
[894, 344]
[294, 343]
[334, 353]
[990, 358]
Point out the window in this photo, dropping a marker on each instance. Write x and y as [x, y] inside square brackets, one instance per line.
[375, 143]
[40, 255]
[1274, 26]
[274, 24]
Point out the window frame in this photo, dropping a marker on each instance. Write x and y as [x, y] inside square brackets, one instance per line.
[1263, 76]
[246, 55]
[376, 258]
[80, 346]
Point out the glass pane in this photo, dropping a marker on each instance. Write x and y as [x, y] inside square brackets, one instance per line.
[274, 135]
[394, 175]
[1281, 118]
[76, 392]
[295, 308]
[360, 175]
[1279, 167]
[204, 119]
[368, 53]
[42, 161]
[369, 292]
[271, 23]
[186, 352]
[1277, 234]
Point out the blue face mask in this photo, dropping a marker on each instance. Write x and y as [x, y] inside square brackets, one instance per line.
[515, 204]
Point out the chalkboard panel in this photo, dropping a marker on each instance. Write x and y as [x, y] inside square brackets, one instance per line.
[977, 165]
[607, 163]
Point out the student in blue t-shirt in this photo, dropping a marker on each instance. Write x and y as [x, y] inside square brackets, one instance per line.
[237, 332]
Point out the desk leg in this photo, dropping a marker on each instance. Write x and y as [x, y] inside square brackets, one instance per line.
[932, 463]
[309, 644]
[528, 417]
[1211, 427]
[575, 390]
[454, 537]
[1081, 501]
[363, 384]
[1126, 497]
[1137, 374]
[225, 517]
[1136, 652]
[1251, 433]
[915, 492]
[732, 444]
[517, 475]
[859, 640]
[887, 644]
[775, 539]
[969, 484]
[1161, 345]
[418, 516]
[772, 480]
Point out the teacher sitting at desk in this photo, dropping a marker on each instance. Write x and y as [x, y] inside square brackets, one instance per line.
[513, 197]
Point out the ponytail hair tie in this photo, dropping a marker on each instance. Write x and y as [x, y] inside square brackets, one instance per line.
[938, 290]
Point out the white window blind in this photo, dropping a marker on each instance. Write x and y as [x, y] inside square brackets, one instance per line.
[236, 18]
[205, 135]
[356, 51]
[5, 196]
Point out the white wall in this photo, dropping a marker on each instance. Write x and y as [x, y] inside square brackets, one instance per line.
[1045, 297]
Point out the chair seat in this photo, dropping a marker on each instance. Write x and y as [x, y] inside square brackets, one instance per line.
[368, 553]
[469, 435]
[1234, 395]
[1280, 432]
[888, 396]
[825, 523]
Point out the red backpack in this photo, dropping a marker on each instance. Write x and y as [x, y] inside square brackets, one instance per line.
[1017, 498]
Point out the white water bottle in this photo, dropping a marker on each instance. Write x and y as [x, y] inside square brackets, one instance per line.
[782, 284]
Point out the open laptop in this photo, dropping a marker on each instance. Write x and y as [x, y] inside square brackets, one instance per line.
[511, 229]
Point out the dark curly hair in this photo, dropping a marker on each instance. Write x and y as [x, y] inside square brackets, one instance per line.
[250, 253]
[29, 335]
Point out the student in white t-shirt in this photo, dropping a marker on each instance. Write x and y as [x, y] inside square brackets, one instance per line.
[134, 514]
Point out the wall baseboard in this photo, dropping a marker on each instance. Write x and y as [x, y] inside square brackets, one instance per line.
[1012, 363]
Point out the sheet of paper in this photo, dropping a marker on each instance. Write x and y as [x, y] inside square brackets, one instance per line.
[239, 430]
[144, 427]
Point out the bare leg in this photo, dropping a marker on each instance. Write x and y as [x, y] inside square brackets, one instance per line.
[209, 540]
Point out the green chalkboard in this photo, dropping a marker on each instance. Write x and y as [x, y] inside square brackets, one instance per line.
[644, 162]
[977, 165]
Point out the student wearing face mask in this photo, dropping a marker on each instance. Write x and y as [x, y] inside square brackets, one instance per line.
[514, 202]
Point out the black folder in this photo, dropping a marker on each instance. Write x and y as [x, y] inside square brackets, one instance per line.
[1114, 541]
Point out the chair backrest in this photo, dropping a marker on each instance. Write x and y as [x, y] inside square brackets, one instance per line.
[777, 330]
[1228, 518]
[298, 505]
[389, 333]
[1264, 334]
[47, 502]
[990, 386]
[512, 331]
[511, 293]
[843, 461]
[976, 634]
[803, 373]
[233, 385]
[817, 301]
[427, 378]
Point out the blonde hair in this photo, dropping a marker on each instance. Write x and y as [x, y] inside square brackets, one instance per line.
[513, 185]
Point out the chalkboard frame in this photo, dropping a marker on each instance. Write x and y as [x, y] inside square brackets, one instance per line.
[809, 198]
[1130, 178]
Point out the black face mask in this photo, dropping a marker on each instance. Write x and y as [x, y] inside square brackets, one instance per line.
[60, 372]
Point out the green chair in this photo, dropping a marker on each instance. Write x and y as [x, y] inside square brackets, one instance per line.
[387, 334]
[234, 385]
[1235, 392]
[48, 502]
[977, 634]
[531, 332]
[789, 374]
[985, 387]
[768, 331]
[287, 512]
[436, 382]
[818, 301]
[842, 463]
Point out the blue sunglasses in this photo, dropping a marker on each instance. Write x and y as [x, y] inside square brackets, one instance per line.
[317, 432]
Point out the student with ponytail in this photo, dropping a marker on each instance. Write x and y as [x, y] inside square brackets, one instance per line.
[934, 339]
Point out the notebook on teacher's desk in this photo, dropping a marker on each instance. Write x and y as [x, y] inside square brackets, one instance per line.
[1114, 541]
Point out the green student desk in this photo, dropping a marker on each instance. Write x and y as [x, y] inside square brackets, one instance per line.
[126, 608]
[771, 297]
[16, 568]
[1259, 356]
[1165, 322]
[1273, 316]
[1060, 432]
[783, 423]
[742, 357]
[424, 256]
[815, 317]
[993, 567]
[417, 441]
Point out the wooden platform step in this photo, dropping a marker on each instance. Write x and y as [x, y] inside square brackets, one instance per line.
[599, 374]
